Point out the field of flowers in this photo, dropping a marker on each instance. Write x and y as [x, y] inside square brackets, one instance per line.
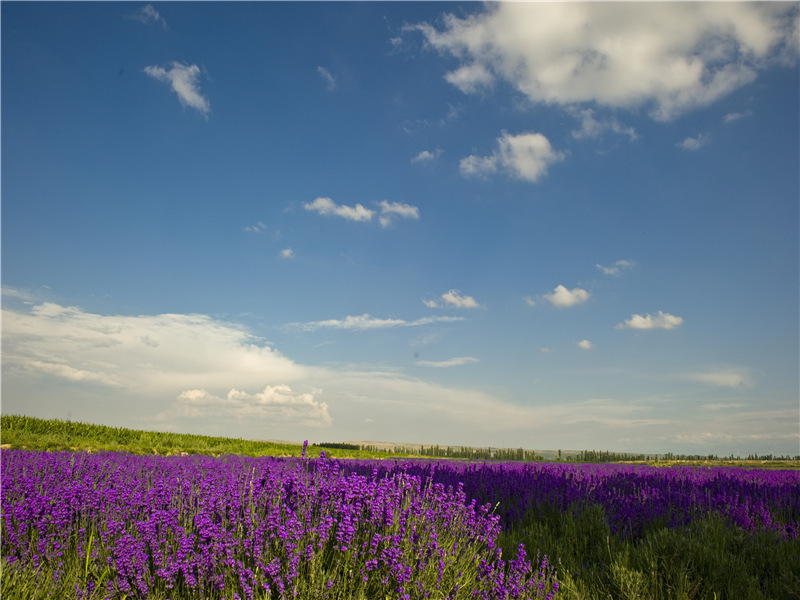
[116, 525]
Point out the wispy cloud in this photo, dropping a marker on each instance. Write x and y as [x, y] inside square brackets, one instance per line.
[287, 253]
[326, 76]
[257, 228]
[563, 298]
[723, 405]
[524, 156]
[585, 344]
[149, 16]
[735, 116]
[184, 80]
[731, 378]
[660, 320]
[455, 299]
[453, 362]
[695, 143]
[390, 209]
[326, 206]
[617, 267]
[365, 322]
[592, 127]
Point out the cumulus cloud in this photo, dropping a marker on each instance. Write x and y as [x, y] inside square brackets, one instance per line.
[365, 321]
[525, 156]
[666, 57]
[585, 344]
[184, 81]
[453, 362]
[617, 267]
[562, 297]
[390, 209]
[275, 403]
[326, 206]
[660, 320]
[149, 16]
[455, 299]
[287, 253]
[695, 143]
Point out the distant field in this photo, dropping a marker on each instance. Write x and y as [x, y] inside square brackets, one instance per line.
[31, 433]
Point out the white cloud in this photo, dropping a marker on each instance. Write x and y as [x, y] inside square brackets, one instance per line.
[149, 15]
[617, 267]
[585, 344]
[275, 403]
[562, 297]
[287, 253]
[396, 208]
[453, 362]
[593, 128]
[731, 378]
[426, 156]
[454, 298]
[329, 79]
[666, 57]
[695, 143]
[470, 78]
[184, 80]
[525, 156]
[326, 206]
[365, 321]
[661, 320]
[530, 301]
[143, 354]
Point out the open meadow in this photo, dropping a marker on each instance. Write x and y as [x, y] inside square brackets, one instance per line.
[165, 516]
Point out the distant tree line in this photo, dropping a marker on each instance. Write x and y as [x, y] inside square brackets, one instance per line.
[520, 455]
[337, 446]
[594, 456]
[466, 452]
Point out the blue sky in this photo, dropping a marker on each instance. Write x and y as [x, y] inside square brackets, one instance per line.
[538, 225]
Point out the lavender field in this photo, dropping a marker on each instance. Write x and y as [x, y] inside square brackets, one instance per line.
[117, 525]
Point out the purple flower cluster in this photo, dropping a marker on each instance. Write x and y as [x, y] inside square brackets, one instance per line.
[634, 497]
[202, 527]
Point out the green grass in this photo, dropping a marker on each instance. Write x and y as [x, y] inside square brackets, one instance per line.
[707, 561]
[31, 433]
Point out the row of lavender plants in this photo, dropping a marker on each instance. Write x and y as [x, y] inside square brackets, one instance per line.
[635, 498]
[115, 525]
